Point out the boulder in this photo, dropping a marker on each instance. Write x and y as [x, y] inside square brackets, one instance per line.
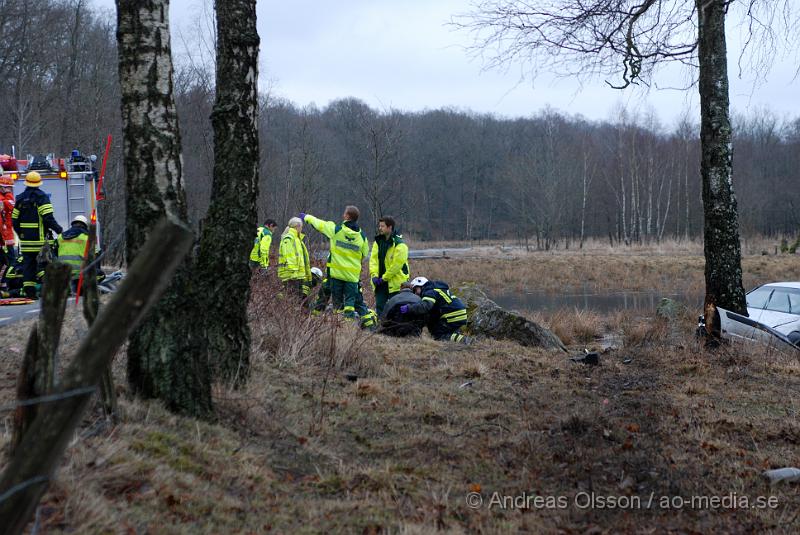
[487, 318]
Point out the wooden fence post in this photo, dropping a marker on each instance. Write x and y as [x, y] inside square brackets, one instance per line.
[29, 471]
[38, 374]
[91, 305]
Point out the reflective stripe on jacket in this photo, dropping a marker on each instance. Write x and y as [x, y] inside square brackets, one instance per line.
[349, 247]
[71, 248]
[32, 217]
[260, 251]
[293, 262]
[440, 304]
[7, 226]
[396, 262]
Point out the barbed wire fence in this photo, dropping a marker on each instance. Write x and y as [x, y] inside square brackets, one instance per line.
[47, 416]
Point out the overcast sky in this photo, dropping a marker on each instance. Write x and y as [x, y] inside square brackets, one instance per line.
[401, 54]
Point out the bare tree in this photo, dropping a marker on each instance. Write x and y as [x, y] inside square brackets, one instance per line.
[222, 280]
[629, 39]
[158, 364]
[378, 173]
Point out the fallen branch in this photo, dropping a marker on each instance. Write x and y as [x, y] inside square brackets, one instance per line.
[26, 477]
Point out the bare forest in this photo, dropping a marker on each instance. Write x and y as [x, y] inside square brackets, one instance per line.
[217, 383]
[550, 179]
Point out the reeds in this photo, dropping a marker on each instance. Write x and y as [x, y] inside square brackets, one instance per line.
[583, 272]
[286, 334]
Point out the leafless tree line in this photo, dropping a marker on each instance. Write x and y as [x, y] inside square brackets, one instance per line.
[550, 179]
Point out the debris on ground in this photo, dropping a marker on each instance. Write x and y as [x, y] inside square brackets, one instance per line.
[789, 475]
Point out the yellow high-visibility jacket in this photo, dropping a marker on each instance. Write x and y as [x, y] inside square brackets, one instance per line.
[293, 262]
[260, 251]
[395, 264]
[349, 247]
[71, 248]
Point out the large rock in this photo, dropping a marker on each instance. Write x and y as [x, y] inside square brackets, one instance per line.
[487, 318]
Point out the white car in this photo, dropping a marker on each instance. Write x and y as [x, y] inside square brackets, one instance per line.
[774, 311]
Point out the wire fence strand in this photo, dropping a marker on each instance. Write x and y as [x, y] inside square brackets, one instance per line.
[22, 486]
[49, 397]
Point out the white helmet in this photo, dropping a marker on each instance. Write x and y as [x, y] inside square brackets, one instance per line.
[419, 281]
[316, 272]
[80, 219]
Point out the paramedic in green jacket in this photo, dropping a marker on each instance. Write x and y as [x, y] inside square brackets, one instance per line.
[388, 263]
[259, 254]
[348, 249]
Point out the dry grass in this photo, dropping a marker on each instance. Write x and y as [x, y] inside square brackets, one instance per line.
[583, 272]
[752, 245]
[396, 446]
[288, 335]
[574, 326]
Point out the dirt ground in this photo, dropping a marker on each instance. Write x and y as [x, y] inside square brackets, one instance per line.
[344, 431]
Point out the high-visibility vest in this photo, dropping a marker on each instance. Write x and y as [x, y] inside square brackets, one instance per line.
[349, 247]
[260, 251]
[71, 250]
[293, 263]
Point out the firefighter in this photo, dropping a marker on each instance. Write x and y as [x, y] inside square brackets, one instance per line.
[11, 282]
[72, 246]
[294, 267]
[7, 251]
[259, 254]
[33, 220]
[388, 263]
[348, 248]
[446, 313]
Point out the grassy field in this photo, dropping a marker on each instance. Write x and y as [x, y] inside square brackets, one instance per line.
[499, 270]
[343, 431]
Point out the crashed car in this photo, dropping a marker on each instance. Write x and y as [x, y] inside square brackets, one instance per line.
[773, 310]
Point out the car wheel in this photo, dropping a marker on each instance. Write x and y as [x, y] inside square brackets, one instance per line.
[794, 337]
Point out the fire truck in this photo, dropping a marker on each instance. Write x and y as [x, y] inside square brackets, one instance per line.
[70, 183]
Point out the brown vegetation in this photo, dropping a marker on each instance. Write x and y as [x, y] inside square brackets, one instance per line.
[344, 431]
[568, 271]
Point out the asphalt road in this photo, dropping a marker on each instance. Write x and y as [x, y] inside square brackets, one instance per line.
[13, 313]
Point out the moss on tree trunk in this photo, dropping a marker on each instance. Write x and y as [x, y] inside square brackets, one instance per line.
[723, 271]
[222, 277]
[160, 361]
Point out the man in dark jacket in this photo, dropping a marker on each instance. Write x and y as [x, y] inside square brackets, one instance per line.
[446, 313]
[394, 322]
[32, 219]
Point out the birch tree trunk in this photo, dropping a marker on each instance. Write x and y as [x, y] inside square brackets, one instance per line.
[222, 278]
[723, 271]
[158, 365]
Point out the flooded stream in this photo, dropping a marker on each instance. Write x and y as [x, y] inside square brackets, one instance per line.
[602, 302]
